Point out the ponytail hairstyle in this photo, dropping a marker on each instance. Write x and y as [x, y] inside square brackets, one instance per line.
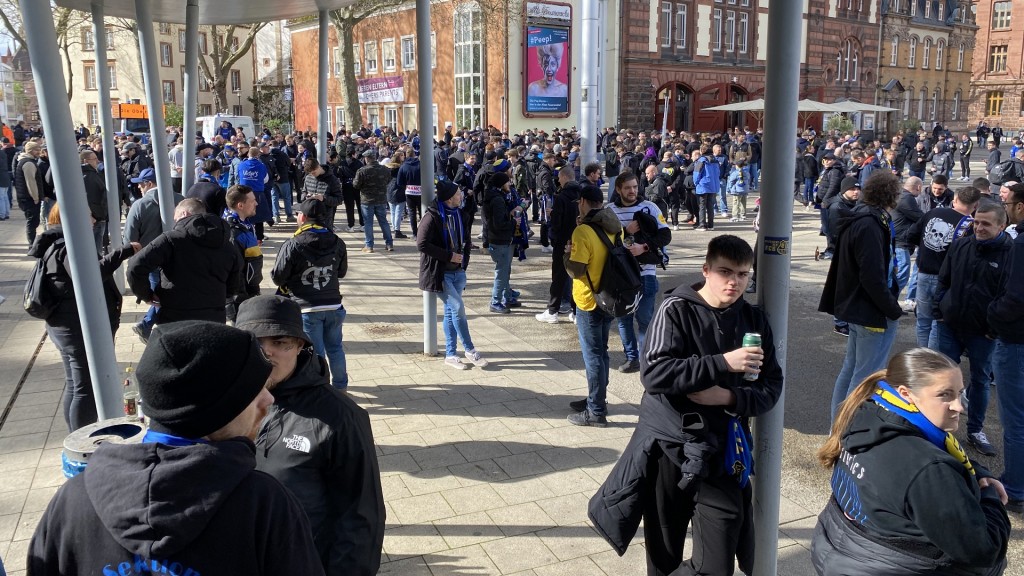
[914, 368]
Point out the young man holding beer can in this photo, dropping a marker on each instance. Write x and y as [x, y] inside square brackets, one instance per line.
[690, 456]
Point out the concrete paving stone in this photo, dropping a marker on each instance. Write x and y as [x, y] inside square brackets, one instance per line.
[27, 525]
[20, 460]
[570, 482]
[437, 457]
[529, 406]
[379, 427]
[430, 481]
[39, 498]
[799, 531]
[16, 556]
[23, 427]
[518, 491]
[481, 450]
[20, 479]
[455, 400]
[489, 411]
[394, 488]
[485, 429]
[478, 472]
[410, 423]
[574, 541]
[409, 567]
[489, 395]
[37, 398]
[470, 499]
[633, 562]
[12, 502]
[401, 463]
[521, 518]
[25, 442]
[417, 406]
[433, 392]
[396, 443]
[47, 476]
[566, 458]
[573, 567]
[47, 385]
[467, 529]
[412, 540]
[453, 417]
[423, 508]
[386, 396]
[522, 465]
[790, 511]
[467, 560]
[599, 473]
[8, 526]
[524, 442]
[444, 435]
[525, 573]
[606, 450]
[526, 424]
[567, 435]
[31, 411]
[566, 510]
[516, 553]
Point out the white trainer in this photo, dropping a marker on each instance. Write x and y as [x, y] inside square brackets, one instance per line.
[455, 362]
[476, 359]
[548, 317]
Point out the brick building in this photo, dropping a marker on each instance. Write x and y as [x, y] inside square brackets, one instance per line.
[925, 62]
[998, 67]
[703, 53]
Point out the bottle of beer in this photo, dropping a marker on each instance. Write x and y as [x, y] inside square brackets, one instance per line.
[130, 394]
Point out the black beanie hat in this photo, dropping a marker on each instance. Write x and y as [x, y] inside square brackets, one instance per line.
[195, 377]
[445, 190]
[271, 316]
[499, 179]
[847, 183]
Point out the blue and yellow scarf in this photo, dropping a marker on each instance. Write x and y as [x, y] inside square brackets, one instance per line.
[739, 462]
[889, 399]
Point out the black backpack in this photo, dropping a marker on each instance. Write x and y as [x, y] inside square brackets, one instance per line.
[42, 296]
[1002, 172]
[621, 285]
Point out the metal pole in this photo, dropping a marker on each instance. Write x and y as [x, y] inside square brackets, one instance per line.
[155, 104]
[41, 39]
[110, 164]
[188, 131]
[589, 80]
[425, 77]
[781, 94]
[321, 91]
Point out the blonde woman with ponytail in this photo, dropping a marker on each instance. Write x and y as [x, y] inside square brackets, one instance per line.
[906, 500]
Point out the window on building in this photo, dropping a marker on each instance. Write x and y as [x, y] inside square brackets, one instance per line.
[204, 82]
[956, 105]
[181, 40]
[741, 33]
[89, 69]
[88, 39]
[236, 109]
[370, 53]
[339, 117]
[681, 24]
[410, 120]
[110, 37]
[391, 117]
[202, 42]
[408, 52]
[940, 54]
[373, 116]
[912, 55]
[927, 10]
[336, 54]
[933, 111]
[469, 66]
[165, 28]
[356, 60]
[112, 69]
[328, 120]
[894, 51]
[387, 52]
[922, 96]
[168, 90]
[913, 7]
[997, 58]
[847, 62]
[165, 55]
[433, 49]
[960, 58]
[927, 54]
[730, 30]
[666, 24]
[236, 80]
[906, 102]
[92, 111]
[716, 30]
[1001, 14]
[994, 103]
[234, 43]
[206, 109]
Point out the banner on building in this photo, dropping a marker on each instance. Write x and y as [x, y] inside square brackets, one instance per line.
[383, 89]
[547, 63]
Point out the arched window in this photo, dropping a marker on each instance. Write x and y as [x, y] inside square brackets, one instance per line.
[847, 62]
[960, 58]
[940, 54]
[906, 102]
[912, 56]
[922, 96]
[927, 52]
[895, 51]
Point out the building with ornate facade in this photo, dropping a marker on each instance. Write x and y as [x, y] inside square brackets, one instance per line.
[927, 51]
[997, 83]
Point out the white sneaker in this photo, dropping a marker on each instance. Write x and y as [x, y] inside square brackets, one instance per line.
[455, 362]
[675, 228]
[356, 228]
[475, 358]
[572, 316]
[479, 236]
[734, 219]
[908, 305]
[546, 249]
[548, 317]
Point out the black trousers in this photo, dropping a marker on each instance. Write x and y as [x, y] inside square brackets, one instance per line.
[544, 234]
[692, 205]
[722, 517]
[965, 166]
[32, 211]
[352, 207]
[414, 206]
[706, 215]
[673, 208]
[559, 279]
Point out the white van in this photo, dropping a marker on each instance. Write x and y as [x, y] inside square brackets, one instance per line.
[208, 125]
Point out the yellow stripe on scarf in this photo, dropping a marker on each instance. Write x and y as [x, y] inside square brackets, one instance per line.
[896, 400]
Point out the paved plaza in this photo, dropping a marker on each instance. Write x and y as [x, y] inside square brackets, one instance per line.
[481, 472]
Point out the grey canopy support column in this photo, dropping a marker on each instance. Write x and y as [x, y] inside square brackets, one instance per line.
[781, 94]
[155, 101]
[110, 157]
[589, 77]
[41, 38]
[425, 77]
[188, 130]
[321, 89]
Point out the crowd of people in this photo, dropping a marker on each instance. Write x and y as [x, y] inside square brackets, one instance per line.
[892, 221]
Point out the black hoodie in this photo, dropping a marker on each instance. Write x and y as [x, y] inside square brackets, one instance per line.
[901, 492]
[499, 227]
[199, 268]
[564, 211]
[319, 444]
[151, 508]
[310, 265]
[973, 274]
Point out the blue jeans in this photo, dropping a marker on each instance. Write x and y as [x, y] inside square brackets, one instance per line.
[912, 285]
[502, 256]
[325, 331]
[150, 318]
[723, 200]
[44, 212]
[926, 286]
[918, 173]
[633, 341]
[903, 267]
[397, 212]
[593, 328]
[979, 353]
[79, 402]
[283, 191]
[755, 172]
[5, 203]
[455, 323]
[866, 353]
[381, 212]
[808, 190]
[1008, 361]
[99, 230]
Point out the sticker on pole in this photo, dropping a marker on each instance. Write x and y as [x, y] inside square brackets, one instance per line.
[776, 245]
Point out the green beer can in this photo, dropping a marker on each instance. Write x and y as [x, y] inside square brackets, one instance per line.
[751, 339]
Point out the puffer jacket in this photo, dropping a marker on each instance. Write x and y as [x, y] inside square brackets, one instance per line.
[310, 265]
[973, 274]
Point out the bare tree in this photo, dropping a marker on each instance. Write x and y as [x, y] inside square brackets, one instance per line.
[65, 22]
[226, 51]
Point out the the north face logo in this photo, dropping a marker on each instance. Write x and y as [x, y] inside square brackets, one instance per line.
[296, 442]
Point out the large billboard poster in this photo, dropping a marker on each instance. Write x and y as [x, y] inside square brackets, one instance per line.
[547, 70]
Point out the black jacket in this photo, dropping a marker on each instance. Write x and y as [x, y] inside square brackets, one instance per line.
[917, 160]
[857, 288]
[915, 509]
[564, 211]
[837, 208]
[1006, 312]
[318, 443]
[435, 253]
[198, 264]
[828, 189]
[243, 238]
[657, 190]
[310, 265]
[499, 227]
[212, 195]
[95, 192]
[973, 274]
[685, 354]
[201, 509]
[907, 213]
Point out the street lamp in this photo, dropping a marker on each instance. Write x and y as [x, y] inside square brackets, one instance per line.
[291, 97]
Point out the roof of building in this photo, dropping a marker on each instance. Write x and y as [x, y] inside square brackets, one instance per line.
[223, 12]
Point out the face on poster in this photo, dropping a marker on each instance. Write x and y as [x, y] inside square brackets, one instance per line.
[547, 70]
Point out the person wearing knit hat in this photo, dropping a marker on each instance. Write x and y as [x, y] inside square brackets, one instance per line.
[443, 243]
[188, 498]
[499, 229]
[311, 418]
[28, 186]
